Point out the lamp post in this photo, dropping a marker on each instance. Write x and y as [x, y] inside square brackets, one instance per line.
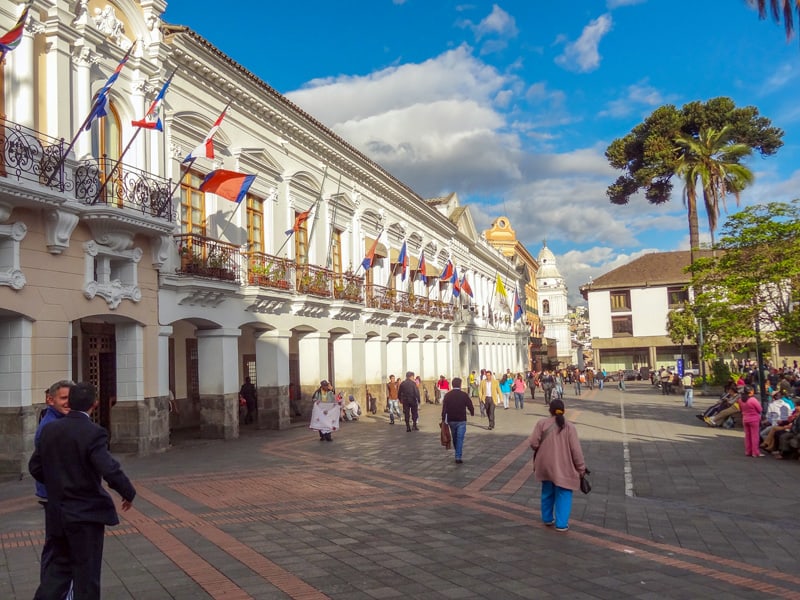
[759, 370]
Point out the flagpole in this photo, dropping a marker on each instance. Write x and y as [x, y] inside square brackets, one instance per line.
[316, 214]
[187, 168]
[377, 237]
[333, 225]
[228, 222]
[86, 121]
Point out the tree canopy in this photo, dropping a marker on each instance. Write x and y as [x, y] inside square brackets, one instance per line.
[658, 149]
[754, 279]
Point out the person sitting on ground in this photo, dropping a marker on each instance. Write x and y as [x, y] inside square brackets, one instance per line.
[773, 435]
[718, 419]
[351, 410]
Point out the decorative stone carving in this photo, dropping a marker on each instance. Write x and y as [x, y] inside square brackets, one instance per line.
[81, 13]
[106, 22]
[10, 237]
[5, 211]
[59, 225]
[103, 262]
[161, 247]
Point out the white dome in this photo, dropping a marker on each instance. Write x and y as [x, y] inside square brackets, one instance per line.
[547, 265]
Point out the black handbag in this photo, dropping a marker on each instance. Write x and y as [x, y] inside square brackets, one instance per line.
[586, 485]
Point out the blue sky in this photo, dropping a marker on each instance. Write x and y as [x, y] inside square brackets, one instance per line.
[511, 104]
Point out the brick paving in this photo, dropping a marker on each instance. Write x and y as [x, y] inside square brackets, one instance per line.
[381, 514]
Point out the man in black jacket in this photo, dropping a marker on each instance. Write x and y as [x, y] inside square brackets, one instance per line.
[70, 459]
[455, 405]
[408, 393]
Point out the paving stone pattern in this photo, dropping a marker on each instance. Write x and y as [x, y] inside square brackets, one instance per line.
[381, 513]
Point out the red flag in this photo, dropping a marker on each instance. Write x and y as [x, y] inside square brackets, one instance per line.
[14, 36]
[465, 287]
[228, 184]
[448, 271]
[298, 222]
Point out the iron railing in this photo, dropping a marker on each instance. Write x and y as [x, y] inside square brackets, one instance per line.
[29, 155]
[205, 257]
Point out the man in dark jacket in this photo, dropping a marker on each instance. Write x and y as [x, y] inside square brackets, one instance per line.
[248, 392]
[70, 459]
[455, 405]
[409, 398]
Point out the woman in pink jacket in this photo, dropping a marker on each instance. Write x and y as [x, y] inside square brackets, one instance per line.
[558, 464]
[751, 419]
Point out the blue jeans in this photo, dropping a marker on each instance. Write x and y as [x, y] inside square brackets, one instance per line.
[688, 396]
[394, 410]
[519, 399]
[458, 430]
[556, 500]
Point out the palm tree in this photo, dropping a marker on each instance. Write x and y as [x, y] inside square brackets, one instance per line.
[778, 8]
[713, 159]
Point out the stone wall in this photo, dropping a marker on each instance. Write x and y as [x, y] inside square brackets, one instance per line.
[140, 427]
[17, 428]
[273, 407]
[219, 416]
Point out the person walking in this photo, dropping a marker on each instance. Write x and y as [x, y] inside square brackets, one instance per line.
[688, 389]
[751, 418]
[519, 391]
[57, 400]
[506, 384]
[409, 398]
[558, 464]
[248, 392]
[392, 391]
[70, 459]
[323, 416]
[548, 383]
[455, 405]
[490, 392]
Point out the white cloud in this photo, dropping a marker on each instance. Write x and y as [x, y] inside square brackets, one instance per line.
[784, 74]
[498, 23]
[612, 4]
[636, 97]
[582, 55]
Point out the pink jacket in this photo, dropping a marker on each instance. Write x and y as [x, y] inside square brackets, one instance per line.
[751, 410]
[559, 457]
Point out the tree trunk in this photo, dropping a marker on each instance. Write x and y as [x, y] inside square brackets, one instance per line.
[694, 230]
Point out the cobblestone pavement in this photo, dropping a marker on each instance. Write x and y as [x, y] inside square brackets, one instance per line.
[677, 511]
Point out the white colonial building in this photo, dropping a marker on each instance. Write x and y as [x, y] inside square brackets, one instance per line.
[553, 309]
[628, 310]
[124, 273]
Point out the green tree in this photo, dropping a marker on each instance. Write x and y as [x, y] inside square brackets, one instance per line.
[714, 159]
[778, 9]
[754, 281]
[650, 157]
[682, 324]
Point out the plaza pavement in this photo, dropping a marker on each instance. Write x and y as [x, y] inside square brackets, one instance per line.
[677, 511]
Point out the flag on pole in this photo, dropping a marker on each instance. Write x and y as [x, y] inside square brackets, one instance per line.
[402, 260]
[502, 295]
[369, 259]
[206, 148]
[298, 221]
[100, 106]
[456, 288]
[517, 307]
[422, 267]
[229, 184]
[447, 273]
[13, 37]
[151, 119]
[465, 287]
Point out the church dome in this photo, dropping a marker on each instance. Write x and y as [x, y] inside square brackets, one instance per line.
[547, 264]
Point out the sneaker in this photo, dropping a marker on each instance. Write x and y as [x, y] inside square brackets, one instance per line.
[709, 421]
[459, 461]
[550, 524]
[562, 528]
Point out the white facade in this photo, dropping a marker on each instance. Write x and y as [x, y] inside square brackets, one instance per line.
[193, 296]
[553, 309]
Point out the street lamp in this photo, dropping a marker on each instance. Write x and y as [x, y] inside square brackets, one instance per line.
[759, 370]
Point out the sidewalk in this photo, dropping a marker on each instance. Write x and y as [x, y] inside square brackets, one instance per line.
[382, 513]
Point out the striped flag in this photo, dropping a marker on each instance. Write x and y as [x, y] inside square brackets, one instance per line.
[422, 267]
[151, 119]
[402, 260]
[13, 37]
[230, 185]
[100, 106]
[206, 147]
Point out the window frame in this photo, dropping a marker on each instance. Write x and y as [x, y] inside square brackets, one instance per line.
[626, 297]
[255, 233]
[627, 332]
[188, 208]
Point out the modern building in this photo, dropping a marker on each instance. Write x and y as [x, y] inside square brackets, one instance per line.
[553, 309]
[117, 268]
[628, 309]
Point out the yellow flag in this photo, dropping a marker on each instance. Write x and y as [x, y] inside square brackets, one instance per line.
[500, 288]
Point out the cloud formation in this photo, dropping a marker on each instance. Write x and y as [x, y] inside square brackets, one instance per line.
[583, 55]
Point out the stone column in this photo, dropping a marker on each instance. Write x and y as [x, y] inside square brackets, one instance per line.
[19, 70]
[414, 356]
[272, 378]
[396, 357]
[313, 350]
[376, 369]
[430, 370]
[218, 358]
[350, 361]
[17, 416]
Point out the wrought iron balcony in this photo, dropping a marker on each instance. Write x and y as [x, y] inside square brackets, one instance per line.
[270, 271]
[385, 298]
[205, 257]
[29, 155]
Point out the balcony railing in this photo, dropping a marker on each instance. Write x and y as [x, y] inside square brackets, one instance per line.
[206, 257]
[270, 271]
[29, 155]
[313, 280]
[385, 298]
